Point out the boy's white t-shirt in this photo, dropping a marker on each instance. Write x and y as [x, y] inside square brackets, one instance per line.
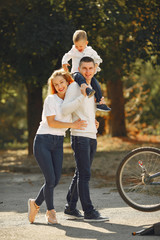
[76, 56]
[52, 106]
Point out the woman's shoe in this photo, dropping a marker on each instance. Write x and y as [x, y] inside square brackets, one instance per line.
[51, 217]
[33, 209]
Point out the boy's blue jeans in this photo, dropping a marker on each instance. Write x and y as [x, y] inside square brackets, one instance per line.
[48, 151]
[84, 150]
[78, 77]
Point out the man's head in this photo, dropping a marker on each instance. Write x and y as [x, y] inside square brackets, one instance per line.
[87, 68]
[80, 40]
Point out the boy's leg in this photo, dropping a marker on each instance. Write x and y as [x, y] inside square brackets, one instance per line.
[98, 94]
[78, 77]
[96, 86]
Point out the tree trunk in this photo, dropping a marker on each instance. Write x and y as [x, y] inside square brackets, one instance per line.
[34, 111]
[115, 89]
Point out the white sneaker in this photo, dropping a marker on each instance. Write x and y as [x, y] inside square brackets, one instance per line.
[33, 209]
[51, 217]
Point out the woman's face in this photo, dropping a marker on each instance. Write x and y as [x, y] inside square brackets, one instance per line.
[60, 85]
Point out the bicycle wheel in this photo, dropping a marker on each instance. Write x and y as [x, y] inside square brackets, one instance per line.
[134, 182]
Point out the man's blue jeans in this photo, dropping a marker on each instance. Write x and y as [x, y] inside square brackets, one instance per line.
[48, 151]
[84, 150]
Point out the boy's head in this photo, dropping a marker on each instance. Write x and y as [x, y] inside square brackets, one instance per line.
[80, 40]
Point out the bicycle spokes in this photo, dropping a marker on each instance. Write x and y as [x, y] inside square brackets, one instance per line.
[138, 179]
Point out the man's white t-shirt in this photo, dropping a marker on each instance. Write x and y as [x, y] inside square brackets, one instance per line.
[52, 106]
[83, 108]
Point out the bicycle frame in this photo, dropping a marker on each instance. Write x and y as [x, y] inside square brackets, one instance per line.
[154, 176]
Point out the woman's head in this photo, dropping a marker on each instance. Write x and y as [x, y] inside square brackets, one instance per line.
[58, 82]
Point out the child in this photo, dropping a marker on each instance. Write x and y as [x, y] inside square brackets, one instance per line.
[79, 50]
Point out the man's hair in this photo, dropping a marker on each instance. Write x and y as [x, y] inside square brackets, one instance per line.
[79, 35]
[86, 59]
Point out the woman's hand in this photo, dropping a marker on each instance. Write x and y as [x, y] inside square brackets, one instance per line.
[79, 124]
[83, 89]
[97, 124]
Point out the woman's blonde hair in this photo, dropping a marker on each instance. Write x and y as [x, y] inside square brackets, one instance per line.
[60, 72]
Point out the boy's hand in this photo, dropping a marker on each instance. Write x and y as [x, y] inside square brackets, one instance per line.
[65, 67]
[96, 65]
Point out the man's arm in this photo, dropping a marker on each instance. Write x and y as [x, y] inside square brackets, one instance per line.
[72, 100]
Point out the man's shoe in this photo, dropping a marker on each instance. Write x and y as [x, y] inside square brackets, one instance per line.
[73, 214]
[51, 217]
[33, 209]
[90, 92]
[94, 216]
[103, 107]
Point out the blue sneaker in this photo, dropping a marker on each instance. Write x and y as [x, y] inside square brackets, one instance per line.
[90, 92]
[103, 107]
[73, 214]
[94, 216]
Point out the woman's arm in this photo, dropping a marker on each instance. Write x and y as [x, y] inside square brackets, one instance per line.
[73, 98]
[79, 124]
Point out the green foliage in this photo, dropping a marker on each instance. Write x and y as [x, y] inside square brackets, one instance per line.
[142, 97]
[35, 34]
[13, 116]
[32, 33]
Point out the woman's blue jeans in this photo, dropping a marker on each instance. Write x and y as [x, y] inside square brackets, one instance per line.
[84, 150]
[48, 151]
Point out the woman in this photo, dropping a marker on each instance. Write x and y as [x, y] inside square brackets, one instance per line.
[48, 143]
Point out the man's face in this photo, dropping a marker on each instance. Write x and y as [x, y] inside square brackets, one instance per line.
[87, 69]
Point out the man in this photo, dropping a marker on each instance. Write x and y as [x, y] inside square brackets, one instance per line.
[83, 143]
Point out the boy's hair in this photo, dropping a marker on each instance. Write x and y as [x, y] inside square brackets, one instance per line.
[79, 35]
[60, 72]
[86, 59]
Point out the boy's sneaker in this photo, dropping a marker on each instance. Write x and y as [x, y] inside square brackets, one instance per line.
[94, 216]
[33, 209]
[103, 107]
[90, 92]
[51, 217]
[73, 214]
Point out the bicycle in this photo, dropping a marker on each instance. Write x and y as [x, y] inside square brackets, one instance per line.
[138, 179]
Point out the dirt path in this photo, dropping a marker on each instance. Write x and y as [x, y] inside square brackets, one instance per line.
[16, 188]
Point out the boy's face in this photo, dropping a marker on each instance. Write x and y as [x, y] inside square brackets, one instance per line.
[81, 45]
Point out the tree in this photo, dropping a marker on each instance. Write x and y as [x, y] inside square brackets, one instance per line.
[33, 44]
[122, 31]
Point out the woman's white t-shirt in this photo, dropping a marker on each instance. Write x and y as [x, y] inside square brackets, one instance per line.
[52, 106]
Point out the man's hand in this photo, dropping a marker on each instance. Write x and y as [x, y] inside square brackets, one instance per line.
[65, 67]
[97, 124]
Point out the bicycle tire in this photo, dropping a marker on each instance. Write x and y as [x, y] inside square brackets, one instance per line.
[136, 193]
